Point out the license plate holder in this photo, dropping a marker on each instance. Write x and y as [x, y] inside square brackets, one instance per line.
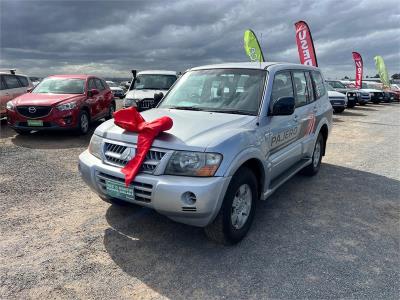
[35, 123]
[118, 190]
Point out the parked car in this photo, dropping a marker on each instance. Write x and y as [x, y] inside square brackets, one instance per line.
[116, 89]
[396, 90]
[147, 83]
[12, 85]
[363, 97]
[350, 93]
[240, 131]
[61, 102]
[377, 95]
[337, 100]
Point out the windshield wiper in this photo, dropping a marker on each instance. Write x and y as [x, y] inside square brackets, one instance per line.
[186, 108]
[232, 111]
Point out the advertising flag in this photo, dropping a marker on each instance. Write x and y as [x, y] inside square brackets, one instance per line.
[305, 44]
[252, 46]
[382, 71]
[359, 69]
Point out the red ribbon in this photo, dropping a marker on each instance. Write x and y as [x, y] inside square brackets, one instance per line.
[130, 120]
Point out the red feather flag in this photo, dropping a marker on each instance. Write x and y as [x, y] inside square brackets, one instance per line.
[305, 44]
[359, 69]
[130, 120]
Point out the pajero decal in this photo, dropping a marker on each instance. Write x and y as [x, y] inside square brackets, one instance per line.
[284, 137]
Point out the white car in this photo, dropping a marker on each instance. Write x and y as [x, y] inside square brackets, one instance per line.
[12, 86]
[116, 89]
[147, 83]
[337, 100]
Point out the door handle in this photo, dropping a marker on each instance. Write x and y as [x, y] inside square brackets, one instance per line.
[296, 118]
[315, 109]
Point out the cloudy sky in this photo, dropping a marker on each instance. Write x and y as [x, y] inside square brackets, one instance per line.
[109, 38]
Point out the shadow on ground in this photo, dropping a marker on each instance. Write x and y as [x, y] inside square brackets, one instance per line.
[49, 139]
[330, 236]
[351, 113]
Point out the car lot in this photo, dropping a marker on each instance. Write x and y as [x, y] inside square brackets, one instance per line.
[334, 235]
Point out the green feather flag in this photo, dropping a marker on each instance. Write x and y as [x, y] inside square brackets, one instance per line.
[382, 71]
[252, 47]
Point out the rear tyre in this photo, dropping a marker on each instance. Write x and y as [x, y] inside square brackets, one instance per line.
[111, 111]
[83, 123]
[362, 103]
[237, 211]
[313, 168]
[338, 110]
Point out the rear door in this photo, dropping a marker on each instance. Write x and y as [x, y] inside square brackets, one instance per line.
[5, 95]
[283, 131]
[305, 109]
[102, 96]
[93, 100]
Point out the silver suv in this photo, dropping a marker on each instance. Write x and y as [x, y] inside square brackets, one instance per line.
[240, 131]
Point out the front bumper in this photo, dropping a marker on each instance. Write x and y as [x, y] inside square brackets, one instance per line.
[55, 120]
[166, 191]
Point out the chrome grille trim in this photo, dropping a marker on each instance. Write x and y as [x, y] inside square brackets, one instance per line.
[112, 156]
[143, 191]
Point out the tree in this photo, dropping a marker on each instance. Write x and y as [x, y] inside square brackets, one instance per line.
[346, 78]
[376, 76]
[367, 76]
[396, 76]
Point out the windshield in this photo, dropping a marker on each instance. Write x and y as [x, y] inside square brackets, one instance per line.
[371, 85]
[336, 85]
[154, 82]
[329, 87]
[218, 90]
[60, 86]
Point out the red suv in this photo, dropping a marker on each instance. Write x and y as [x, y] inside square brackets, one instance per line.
[62, 102]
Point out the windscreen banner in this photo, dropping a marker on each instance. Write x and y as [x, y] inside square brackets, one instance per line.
[252, 46]
[359, 69]
[382, 71]
[305, 44]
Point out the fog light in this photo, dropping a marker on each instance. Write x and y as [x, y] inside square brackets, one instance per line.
[68, 120]
[189, 198]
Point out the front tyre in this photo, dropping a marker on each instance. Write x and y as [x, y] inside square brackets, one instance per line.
[111, 111]
[338, 110]
[237, 211]
[313, 168]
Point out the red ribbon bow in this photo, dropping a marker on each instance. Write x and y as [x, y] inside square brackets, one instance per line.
[130, 120]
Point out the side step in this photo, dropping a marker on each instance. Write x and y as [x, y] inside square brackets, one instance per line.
[281, 179]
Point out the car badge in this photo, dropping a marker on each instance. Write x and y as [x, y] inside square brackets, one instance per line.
[32, 109]
[128, 154]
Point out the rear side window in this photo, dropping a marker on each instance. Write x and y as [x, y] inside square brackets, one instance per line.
[300, 88]
[11, 81]
[282, 86]
[91, 85]
[2, 86]
[310, 96]
[319, 85]
[99, 84]
[23, 80]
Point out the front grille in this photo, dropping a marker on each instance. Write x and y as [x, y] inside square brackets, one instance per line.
[34, 112]
[119, 155]
[145, 104]
[142, 190]
[377, 95]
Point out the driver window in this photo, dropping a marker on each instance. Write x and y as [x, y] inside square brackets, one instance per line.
[91, 85]
[282, 86]
[300, 87]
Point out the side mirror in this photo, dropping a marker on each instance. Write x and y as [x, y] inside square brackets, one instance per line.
[284, 106]
[29, 90]
[93, 92]
[157, 98]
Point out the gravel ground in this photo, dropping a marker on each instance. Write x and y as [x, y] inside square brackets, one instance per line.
[335, 235]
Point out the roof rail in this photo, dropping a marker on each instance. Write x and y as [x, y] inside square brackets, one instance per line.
[12, 71]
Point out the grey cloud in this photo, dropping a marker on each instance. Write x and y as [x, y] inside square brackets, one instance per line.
[111, 37]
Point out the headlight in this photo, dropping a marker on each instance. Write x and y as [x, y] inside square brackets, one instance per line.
[67, 106]
[128, 102]
[10, 106]
[193, 164]
[95, 146]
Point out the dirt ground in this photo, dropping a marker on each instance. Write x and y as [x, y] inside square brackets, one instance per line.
[335, 235]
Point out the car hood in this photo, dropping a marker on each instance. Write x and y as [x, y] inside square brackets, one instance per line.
[191, 130]
[43, 99]
[115, 88]
[372, 91]
[142, 94]
[335, 94]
